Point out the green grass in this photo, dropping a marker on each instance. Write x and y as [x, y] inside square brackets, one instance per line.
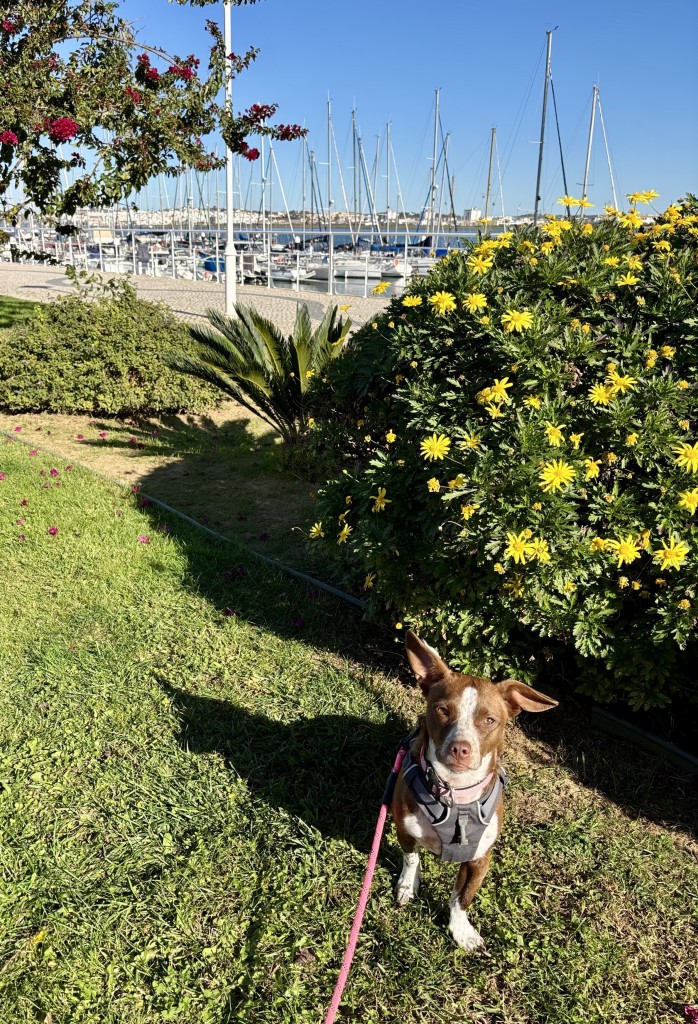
[14, 310]
[187, 799]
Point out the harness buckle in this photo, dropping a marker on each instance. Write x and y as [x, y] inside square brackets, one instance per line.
[440, 789]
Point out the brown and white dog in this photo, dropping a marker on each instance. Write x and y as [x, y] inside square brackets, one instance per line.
[451, 782]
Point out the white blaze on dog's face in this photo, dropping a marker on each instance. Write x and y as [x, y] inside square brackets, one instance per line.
[466, 715]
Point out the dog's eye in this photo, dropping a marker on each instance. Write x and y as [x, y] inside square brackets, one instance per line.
[442, 711]
[490, 721]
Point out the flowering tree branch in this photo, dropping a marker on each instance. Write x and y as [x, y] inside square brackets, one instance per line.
[129, 110]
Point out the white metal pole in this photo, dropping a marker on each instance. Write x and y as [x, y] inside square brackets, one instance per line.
[230, 270]
[587, 162]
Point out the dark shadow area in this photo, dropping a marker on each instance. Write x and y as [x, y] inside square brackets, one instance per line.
[329, 770]
[227, 473]
[639, 783]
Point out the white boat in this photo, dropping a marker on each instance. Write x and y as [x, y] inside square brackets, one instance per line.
[348, 269]
[396, 268]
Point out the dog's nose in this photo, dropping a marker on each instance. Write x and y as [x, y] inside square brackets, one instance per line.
[460, 751]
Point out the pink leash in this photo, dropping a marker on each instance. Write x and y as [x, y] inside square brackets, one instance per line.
[365, 890]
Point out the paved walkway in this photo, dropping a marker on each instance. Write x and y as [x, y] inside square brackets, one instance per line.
[191, 299]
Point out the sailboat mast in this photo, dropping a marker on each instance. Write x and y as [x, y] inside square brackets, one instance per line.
[489, 178]
[432, 187]
[608, 155]
[304, 157]
[329, 196]
[387, 181]
[594, 100]
[549, 34]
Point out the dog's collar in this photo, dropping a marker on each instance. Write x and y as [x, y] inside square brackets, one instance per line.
[443, 791]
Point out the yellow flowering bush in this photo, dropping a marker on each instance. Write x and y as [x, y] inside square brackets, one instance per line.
[538, 498]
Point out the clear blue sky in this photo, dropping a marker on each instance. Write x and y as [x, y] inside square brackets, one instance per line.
[386, 59]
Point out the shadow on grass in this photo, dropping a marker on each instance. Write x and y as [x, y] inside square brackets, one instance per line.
[224, 471]
[637, 782]
[327, 770]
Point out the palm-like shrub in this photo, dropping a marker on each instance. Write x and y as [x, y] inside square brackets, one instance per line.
[249, 359]
[517, 455]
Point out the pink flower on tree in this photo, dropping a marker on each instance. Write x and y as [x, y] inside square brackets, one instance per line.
[62, 129]
[8, 138]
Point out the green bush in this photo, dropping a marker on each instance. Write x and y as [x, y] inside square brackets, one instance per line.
[517, 455]
[104, 355]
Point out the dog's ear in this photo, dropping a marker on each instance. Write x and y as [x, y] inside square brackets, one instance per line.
[424, 661]
[519, 697]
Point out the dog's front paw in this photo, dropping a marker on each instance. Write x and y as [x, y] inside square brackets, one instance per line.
[408, 883]
[462, 932]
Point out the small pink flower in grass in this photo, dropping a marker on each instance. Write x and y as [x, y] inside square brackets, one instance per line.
[102, 433]
[118, 513]
[33, 452]
[17, 430]
[691, 1013]
[2, 476]
[79, 437]
[20, 522]
[21, 537]
[132, 440]
[136, 488]
[53, 472]
[69, 469]
[53, 530]
[143, 539]
[143, 503]
[23, 502]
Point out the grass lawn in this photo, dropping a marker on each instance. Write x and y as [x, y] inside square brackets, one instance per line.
[12, 310]
[192, 750]
[224, 469]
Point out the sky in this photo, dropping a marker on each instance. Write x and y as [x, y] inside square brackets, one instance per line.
[386, 59]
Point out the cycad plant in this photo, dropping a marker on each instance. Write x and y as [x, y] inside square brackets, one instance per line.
[248, 358]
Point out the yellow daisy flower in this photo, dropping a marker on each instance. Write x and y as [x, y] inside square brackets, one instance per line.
[435, 447]
[555, 475]
[410, 301]
[554, 434]
[475, 301]
[599, 394]
[515, 320]
[687, 457]
[689, 499]
[626, 549]
[469, 510]
[442, 302]
[380, 500]
[316, 531]
[518, 547]
[344, 533]
[434, 485]
[592, 468]
[671, 555]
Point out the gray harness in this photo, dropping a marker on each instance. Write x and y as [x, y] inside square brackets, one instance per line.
[460, 827]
